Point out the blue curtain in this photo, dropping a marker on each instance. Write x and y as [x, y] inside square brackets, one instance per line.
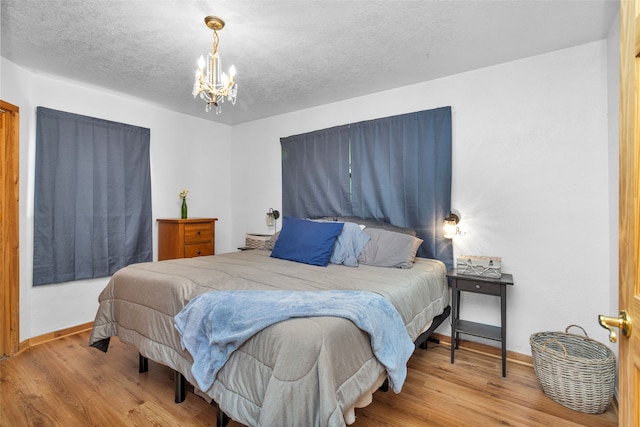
[315, 173]
[395, 169]
[92, 197]
[401, 173]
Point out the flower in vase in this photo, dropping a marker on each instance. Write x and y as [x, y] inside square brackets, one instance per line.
[183, 194]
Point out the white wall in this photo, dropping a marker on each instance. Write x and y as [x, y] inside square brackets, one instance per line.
[530, 179]
[185, 153]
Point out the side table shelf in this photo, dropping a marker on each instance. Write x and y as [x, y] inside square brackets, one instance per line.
[479, 330]
[486, 286]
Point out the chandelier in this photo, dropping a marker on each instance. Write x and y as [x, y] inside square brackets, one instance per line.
[211, 83]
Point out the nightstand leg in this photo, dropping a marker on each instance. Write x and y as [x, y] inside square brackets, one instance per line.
[453, 346]
[503, 329]
[454, 317]
[457, 317]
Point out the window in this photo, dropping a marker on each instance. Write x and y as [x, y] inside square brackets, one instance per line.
[395, 169]
[92, 197]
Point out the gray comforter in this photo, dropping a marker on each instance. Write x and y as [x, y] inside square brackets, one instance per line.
[305, 371]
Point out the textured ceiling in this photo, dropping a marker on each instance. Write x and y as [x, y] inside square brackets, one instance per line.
[289, 55]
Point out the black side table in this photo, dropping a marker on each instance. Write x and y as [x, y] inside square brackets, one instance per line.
[486, 286]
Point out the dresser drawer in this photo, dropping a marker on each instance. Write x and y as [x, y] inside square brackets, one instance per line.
[198, 249]
[478, 286]
[195, 233]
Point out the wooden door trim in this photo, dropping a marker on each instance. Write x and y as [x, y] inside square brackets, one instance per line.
[629, 229]
[9, 229]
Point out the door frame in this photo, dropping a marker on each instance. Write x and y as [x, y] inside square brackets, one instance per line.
[9, 229]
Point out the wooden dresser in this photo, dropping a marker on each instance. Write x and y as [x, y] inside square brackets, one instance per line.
[186, 238]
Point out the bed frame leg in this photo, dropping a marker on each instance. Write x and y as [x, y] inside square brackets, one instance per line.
[425, 343]
[424, 338]
[180, 387]
[143, 364]
[222, 419]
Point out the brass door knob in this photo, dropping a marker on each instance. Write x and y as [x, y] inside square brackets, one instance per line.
[623, 322]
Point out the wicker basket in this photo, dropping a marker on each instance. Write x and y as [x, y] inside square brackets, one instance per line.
[575, 371]
[256, 241]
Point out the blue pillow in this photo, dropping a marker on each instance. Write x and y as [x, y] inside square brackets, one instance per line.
[350, 243]
[306, 241]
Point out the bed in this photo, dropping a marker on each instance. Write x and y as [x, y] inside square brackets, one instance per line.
[311, 371]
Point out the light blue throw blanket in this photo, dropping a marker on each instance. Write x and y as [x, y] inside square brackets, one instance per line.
[215, 324]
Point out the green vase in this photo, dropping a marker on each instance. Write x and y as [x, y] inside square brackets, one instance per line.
[184, 208]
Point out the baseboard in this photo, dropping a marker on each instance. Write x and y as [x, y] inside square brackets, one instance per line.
[485, 349]
[31, 342]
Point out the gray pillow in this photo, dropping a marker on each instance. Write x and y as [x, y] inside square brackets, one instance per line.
[372, 223]
[389, 249]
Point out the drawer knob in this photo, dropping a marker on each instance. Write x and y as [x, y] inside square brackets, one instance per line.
[477, 286]
[198, 252]
[198, 232]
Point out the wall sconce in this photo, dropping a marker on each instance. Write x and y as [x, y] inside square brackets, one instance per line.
[272, 217]
[450, 228]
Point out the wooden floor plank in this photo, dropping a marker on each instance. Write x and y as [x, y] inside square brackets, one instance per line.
[67, 383]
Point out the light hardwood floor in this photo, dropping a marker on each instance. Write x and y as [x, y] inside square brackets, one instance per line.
[67, 383]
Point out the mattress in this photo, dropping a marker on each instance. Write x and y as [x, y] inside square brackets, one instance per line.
[306, 371]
